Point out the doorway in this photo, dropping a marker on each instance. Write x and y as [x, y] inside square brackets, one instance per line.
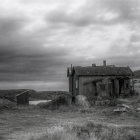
[121, 86]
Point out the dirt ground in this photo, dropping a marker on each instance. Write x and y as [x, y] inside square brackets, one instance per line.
[32, 120]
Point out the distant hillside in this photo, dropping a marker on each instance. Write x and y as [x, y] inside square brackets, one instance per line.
[137, 74]
[34, 95]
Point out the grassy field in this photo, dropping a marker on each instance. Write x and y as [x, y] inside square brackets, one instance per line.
[69, 122]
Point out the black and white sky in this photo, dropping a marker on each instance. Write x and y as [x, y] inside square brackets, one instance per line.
[39, 39]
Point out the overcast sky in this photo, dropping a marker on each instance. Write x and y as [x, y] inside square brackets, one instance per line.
[39, 39]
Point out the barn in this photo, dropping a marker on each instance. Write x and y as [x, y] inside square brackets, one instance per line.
[104, 81]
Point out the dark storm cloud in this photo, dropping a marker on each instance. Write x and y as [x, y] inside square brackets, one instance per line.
[30, 67]
[49, 35]
[25, 59]
[10, 25]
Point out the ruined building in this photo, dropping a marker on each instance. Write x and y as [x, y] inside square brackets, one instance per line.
[105, 81]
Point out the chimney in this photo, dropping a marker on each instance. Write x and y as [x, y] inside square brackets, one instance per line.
[71, 66]
[93, 65]
[104, 63]
[70, 70]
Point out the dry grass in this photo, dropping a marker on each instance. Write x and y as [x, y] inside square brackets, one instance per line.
[53, 133]
[83, 131]
[100, 131]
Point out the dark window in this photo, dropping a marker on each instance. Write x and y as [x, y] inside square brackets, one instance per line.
[127, 85]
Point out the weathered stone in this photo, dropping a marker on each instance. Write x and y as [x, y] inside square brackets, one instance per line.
[81, 100]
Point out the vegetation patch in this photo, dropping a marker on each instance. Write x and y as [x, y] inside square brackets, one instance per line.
[57, 102]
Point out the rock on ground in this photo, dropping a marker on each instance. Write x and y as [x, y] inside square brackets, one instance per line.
[81, 100]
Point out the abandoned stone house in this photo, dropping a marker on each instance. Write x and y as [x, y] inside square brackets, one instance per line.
[104, 81]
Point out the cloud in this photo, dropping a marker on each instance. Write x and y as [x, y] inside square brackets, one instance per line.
[40, 39]
[39, 85]
[104, 12]
[23, 58]
[128, 9]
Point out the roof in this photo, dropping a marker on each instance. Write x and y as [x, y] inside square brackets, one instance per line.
[102, 71]
[22, 93]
